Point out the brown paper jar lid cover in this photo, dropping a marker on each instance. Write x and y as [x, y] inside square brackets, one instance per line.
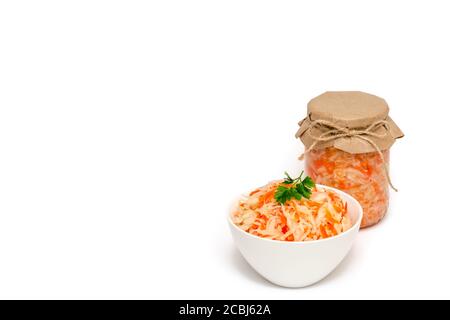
[345, 116]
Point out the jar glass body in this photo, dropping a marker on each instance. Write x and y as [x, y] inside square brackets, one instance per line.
[361, 175]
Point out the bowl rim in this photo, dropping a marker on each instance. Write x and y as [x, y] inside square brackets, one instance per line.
[355, 225]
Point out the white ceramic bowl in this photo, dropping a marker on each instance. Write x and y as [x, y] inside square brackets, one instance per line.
[298, 264]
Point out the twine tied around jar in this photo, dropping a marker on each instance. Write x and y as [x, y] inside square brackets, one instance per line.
[336, 132]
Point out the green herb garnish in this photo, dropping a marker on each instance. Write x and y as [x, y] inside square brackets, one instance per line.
[294, 188]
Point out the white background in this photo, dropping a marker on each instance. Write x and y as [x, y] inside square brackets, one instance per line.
[127, 128]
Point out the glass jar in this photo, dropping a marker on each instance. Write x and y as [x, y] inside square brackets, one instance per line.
[362, 175]
[347, 137]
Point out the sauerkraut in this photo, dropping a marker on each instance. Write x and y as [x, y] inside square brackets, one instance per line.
[361, 175]
[321, 216]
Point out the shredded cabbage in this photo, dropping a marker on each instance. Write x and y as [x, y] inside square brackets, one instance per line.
[361, 175]
[323, 215]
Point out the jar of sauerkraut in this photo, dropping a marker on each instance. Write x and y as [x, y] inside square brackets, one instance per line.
[347, 137]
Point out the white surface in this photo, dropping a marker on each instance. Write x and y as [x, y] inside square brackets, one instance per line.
[127, 127]
[300, 263]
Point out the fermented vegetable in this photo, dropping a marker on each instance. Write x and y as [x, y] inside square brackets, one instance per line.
[362, 175]
[321, 216]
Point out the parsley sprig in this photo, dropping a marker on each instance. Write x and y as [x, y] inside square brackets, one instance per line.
[294, 188]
